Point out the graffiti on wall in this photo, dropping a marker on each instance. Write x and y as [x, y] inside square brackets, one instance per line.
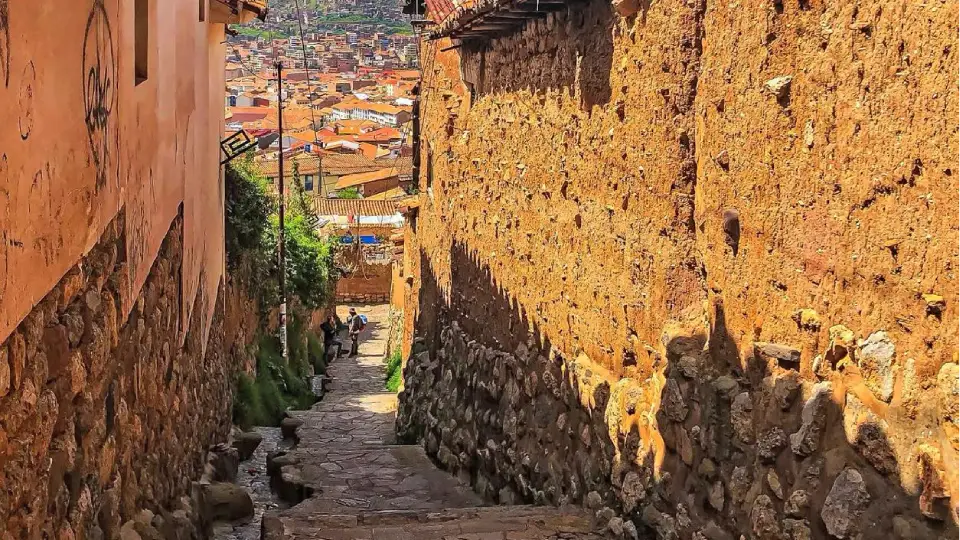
[28, 84]
[99, 88]
[5, 222]
[4, 43]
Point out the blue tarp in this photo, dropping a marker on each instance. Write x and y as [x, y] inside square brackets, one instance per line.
[364, 239]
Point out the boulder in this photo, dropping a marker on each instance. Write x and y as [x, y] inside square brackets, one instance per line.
[288, 427]
[796, 529]
[876, 362]
[246, 443]
[278, 460]
[222, 501]
[797, 504]
[715, 496]
[845, 504]
[763, 519]
[778, 352]
[177, 525]
[664, 524]
[785, 390]
[633, 491]
[726, 386]
[224, 461]
[813, 417]
[770, 443]
[779, 86]
[741, 417]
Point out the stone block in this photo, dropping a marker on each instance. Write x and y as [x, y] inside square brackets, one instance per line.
[224, 501]
[781, 353]
[246, 442]
[845, 504]
[224, 462]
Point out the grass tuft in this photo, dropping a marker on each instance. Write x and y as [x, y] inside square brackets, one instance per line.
[394, 371]
[279, 385]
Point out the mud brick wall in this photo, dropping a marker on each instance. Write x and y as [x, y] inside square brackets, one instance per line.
[101, 417]
[697, 264]
[367, 284]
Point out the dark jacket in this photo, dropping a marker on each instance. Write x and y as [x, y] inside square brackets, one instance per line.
[354, 324]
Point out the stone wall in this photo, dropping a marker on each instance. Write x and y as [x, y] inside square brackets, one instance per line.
[700, 260]
[367, 284]
[102, 417]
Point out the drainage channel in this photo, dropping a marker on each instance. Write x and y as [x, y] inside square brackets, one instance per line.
[252, 476]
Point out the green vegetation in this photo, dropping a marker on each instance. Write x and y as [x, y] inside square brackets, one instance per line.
[251, 243]
[348, 193]
[251, 31]
[333, 19]
[394, 371]
[248, 207]
[279, 384]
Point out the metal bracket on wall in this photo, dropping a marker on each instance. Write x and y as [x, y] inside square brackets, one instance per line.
[235, 145]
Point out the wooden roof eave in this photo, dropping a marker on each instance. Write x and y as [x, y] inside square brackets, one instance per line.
[237, 11]
[500, 19]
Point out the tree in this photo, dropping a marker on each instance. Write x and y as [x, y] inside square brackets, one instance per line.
[301, 203]
[348, 193]
[248, 206]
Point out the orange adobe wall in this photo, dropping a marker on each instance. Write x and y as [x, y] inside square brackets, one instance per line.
[697, 264]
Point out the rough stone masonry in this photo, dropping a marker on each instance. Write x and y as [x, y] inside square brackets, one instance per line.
[694, 264]
[101, 418]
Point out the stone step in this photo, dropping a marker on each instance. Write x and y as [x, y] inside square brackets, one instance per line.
[483, 523]
[350, 479]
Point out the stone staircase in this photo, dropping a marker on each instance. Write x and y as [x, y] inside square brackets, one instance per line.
[348, 480]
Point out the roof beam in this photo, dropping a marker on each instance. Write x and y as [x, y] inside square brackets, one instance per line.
[511, 16]
[483, 26]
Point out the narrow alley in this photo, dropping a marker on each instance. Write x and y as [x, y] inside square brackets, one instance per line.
[360, 485]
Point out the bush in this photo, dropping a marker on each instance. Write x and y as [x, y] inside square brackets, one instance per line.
[251, 239]
[348, 193]
[278, 386]
[248, 207]
[251, 243]
[309, 261]
[394, 371]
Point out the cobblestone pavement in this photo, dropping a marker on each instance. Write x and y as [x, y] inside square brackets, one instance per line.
[364, 486]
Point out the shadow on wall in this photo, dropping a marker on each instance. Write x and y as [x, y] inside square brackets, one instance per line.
[568, 50]
[698, 445]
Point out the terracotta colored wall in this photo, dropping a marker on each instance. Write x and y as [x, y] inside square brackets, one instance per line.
[368, 283]
[581, 223]
[84, 141]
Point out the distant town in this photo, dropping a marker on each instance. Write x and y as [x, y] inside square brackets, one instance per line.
[347, 86]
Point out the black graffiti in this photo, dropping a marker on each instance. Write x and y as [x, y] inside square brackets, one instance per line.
[99, 88]
[28, 85]
[6, 225]
[5, 42]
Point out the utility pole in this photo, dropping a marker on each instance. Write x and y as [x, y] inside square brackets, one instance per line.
[282, 235]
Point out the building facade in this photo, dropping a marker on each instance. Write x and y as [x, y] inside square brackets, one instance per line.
[680, 259]
[112, 257]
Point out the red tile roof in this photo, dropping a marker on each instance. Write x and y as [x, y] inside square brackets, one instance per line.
[355, 207]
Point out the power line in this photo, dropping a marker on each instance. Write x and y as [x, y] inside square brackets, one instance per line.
[306, 68]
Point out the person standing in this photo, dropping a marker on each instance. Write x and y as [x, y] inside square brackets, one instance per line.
[355, 324]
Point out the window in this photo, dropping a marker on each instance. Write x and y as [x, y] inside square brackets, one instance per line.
[141, 38]
[203, 10]
[308, 182]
